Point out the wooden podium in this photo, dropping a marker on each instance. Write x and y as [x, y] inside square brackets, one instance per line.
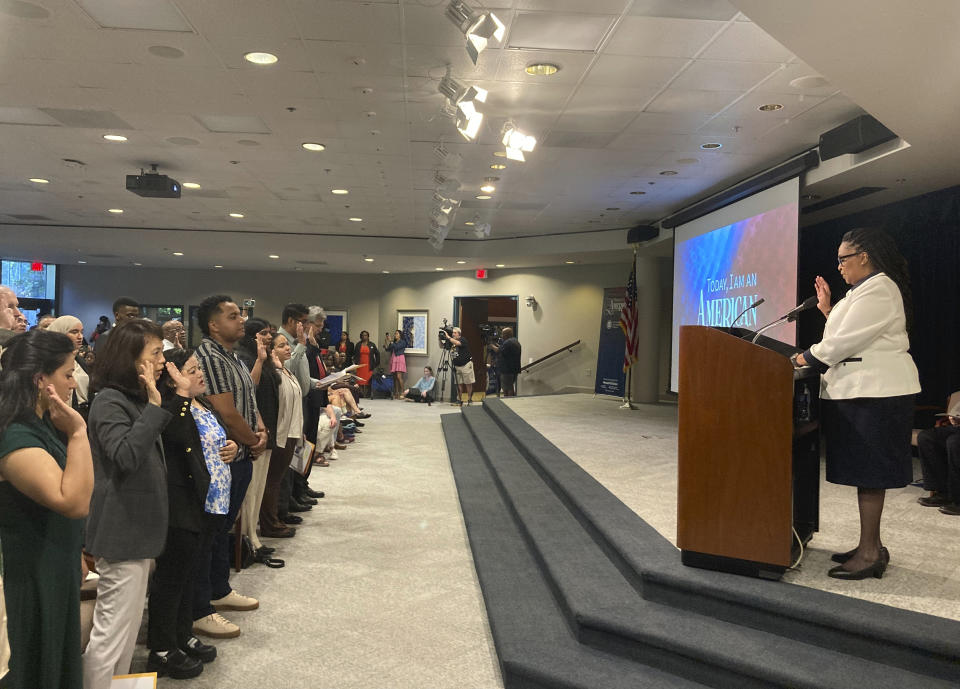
[748, 453]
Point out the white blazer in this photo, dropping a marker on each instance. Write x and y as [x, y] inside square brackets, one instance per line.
[869, 326]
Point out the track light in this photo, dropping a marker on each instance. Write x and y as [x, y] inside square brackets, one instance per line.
[464, 99]
[477, 26]
[516, 142]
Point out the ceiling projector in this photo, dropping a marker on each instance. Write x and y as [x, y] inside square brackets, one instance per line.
[153, 185]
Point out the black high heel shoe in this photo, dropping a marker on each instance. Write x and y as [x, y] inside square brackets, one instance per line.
[843, 557]
[875, 570]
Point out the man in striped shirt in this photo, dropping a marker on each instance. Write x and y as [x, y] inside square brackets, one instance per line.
[231, 393]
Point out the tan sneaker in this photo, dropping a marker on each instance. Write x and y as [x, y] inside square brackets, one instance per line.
[216, 626]
[234, 601]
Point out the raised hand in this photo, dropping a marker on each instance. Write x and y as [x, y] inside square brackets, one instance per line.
[300, 334]
[180, 381]
[261, 351]
[823, 295]
[66, 419]
[149, 382]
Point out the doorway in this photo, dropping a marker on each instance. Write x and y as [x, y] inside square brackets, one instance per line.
[481, 319]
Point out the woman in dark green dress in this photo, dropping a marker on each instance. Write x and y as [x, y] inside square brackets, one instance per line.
[46, 478]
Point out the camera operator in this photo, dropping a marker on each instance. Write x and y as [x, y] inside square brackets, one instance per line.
[462, 364]
[509, 364]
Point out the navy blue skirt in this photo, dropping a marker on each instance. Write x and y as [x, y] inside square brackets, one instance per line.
[868, 441]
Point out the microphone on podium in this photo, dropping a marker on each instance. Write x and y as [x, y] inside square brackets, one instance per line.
[789, 316]
[752, 306]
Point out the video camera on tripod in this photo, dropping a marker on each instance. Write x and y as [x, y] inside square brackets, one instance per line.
[444, 334]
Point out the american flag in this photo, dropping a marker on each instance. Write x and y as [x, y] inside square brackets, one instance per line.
[628, 320]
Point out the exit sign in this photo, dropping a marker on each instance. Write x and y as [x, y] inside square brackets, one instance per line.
[36, 267]
[481, 273]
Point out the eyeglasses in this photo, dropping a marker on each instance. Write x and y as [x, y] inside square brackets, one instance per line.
[841, 259]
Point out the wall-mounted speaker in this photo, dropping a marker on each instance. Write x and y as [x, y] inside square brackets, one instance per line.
[642, 233]
[857, 135]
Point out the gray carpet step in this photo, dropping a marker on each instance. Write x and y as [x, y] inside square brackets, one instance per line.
[920, 643]
[536, 647]
[608, 613]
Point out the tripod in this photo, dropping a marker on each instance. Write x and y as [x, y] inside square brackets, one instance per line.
[442, 369]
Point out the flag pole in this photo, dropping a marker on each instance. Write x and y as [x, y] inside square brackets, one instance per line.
[627, 392]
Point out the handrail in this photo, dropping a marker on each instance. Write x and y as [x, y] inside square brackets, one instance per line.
[569, 347]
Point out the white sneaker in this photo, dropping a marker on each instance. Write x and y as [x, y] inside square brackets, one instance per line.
[333, 454]
[216, 626]
[234, 601]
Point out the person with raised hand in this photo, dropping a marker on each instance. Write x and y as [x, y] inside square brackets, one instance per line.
[127, 524]
[46, 478]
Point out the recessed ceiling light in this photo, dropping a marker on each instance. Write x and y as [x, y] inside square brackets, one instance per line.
[118, 211]
[178, 253]
[313, 147]
[339, 192]
[385, 272]
[810, 81]
[39, 180]
[261, 58]
[191, 185]
[137, 264]
[355, 219]
[637, 193]
[541, 69]
[668, 173]
[114, 137]
[167, 51]
[470, 223]
[236, 215]
[770, 107]
[710, 146]
[501, 265]
[500, 154]
[81, 261]
[368, 260]
[569, 262]
[218, 266]
[273, 256]
[488, 188]
[460, 262]
[498, 166]
[483, 197]
[438, 268]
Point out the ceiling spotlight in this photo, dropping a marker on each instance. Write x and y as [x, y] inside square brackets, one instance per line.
[770, 107]
[339, 192]
[478, 27]
[178, 253]
[137, 264]
[488, 188]
[236, 215]
[460, 263]
[464, 100]
[81, 261]
[516, 142]
[39, 180]
[483, 197]
[261, 58]
[569, 262]
[114, 137]
[470, 223]
[500, 154]
[542, 69]
[385, 272]
[273, 256]
[713, 145]
[368, 260]
[355, 219]
[191, 185]
[501, 265]
[313, 147]
[116, 211]
[218, 266]
[498, 166]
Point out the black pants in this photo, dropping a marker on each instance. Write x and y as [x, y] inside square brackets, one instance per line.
[940, 455]
[508, 382]
[170, 610]
[213, 525]
[414, 394]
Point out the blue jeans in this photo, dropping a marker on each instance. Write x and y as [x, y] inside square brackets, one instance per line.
[213, 573]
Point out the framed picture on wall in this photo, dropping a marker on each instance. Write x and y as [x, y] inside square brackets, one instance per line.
[414, 326]
[336, 323]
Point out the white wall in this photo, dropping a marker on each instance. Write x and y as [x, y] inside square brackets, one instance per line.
[569, 301]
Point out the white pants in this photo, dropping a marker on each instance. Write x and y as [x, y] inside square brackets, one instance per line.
[250, 510]
[121, 592]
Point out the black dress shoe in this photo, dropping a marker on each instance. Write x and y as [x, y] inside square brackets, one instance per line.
[314, 493]
[935, 500]
[175, 664]
[266, 550]
[843, 557]
[195, 648]
[285, 532]
[875, 570]
[951, 509]
[306, 500]
[358, 424]
[291, 519]
[295, 506]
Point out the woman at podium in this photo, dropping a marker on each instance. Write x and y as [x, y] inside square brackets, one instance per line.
[867, 386]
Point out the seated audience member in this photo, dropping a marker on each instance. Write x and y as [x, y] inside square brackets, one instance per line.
[124, 309]
[127, 525]
[940, 456]
[255, 350]
[367, 358]
[327, 436]
[422, 390]
[192, 435]
[73, 328]
[47, 479]
[174, 335]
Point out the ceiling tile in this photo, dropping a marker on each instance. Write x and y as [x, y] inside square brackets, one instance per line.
[596, 119]
[578, 139]
[362, 59]
[724, 75]
[513, 63]
[347, 21]
[235, 124]
[634, 72]
[780, 82]
[661, 37]
[748, 42]
[677, 100]
[793, 105]
[687, 9]
[543, 31]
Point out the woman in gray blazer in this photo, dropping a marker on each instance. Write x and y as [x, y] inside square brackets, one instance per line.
[127, 523]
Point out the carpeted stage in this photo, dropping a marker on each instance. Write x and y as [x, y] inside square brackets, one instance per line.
[580, 591]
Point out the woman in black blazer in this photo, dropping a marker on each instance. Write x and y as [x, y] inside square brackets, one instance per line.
[345, 346]
[174, 650]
